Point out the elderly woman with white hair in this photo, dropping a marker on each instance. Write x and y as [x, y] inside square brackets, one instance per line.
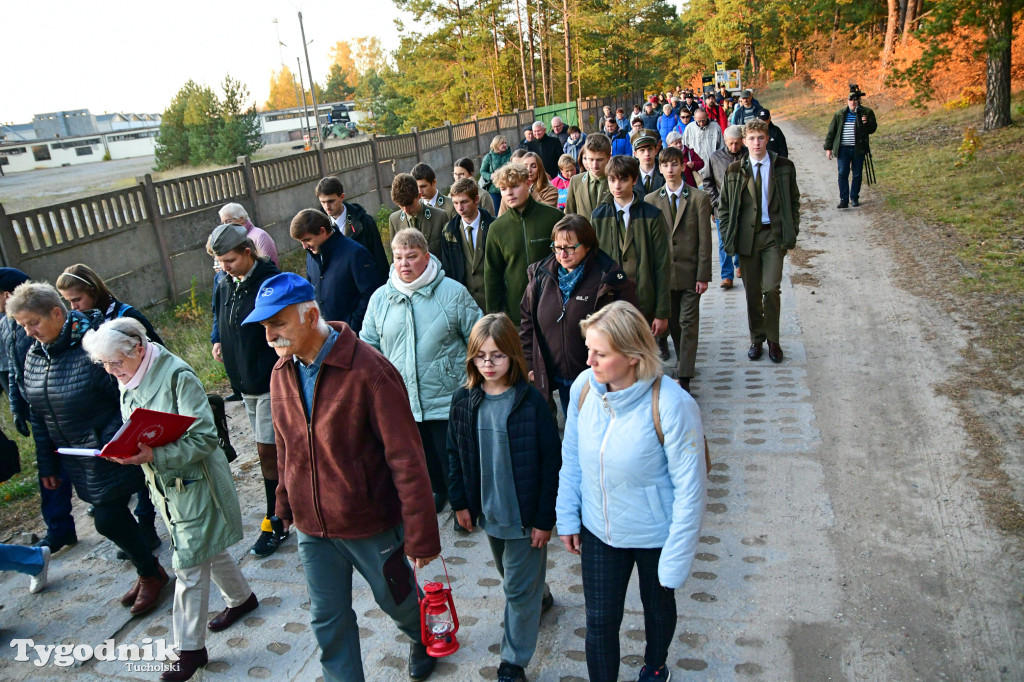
[421, 321]
[632, 487]
[74, 404]
[235, 214]
[190, 482]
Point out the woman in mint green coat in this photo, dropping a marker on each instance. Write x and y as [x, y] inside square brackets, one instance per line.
[190, 482]
[420, 320]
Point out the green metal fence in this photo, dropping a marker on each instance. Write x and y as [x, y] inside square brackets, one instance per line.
[566, 111]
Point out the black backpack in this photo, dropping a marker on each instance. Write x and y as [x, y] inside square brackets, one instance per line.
[220, 417]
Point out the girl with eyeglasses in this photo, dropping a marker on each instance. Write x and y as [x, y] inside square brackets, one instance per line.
[504, 457]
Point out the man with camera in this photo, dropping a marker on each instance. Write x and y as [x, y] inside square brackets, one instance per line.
[847, 141]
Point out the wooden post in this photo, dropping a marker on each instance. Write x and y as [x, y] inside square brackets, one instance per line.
[10, 249]
[155, 219]
[416, 139]
[250, 188]
[376, 168]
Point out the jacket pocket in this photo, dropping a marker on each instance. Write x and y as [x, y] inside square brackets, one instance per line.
[188, 499]
[654, 502]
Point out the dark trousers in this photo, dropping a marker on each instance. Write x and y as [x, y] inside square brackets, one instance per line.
[606, 573]
[115, 522]
[434, 435]
[762, 284]
[684, 328]
[55, 506]
[849, 159]
[563, 386]
[497, 202]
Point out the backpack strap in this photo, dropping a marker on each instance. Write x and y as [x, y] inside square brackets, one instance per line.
[583, 395]
[656, 412]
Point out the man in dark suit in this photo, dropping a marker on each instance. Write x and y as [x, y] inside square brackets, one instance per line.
[688, 212]
[464, 237]
[760, 218]
[546, 147]
[352, 221]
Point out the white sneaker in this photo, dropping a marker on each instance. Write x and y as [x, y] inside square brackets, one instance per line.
[38, 582]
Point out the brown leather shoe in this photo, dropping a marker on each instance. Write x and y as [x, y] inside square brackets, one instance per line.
[228, 616]
[131, 595]
[755, 351]
[726, 284]
[149, 592]
[774, 352]
[188, 663]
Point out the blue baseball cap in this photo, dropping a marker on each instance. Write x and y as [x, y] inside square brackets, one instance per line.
[279, 292]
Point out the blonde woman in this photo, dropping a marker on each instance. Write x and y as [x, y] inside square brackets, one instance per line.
[541, 188]
[497, 157]
[632, 487]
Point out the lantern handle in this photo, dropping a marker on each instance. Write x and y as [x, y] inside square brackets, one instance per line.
[415, 575]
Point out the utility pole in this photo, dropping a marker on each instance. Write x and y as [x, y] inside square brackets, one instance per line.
[305, 110]
[312, 87]
[280, 55]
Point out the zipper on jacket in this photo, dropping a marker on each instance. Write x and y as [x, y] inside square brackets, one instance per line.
[604, 488]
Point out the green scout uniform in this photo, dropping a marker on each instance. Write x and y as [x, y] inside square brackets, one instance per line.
[430, 221]
[586, 192]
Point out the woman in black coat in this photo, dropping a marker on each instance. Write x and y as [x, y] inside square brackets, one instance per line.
[76, 404]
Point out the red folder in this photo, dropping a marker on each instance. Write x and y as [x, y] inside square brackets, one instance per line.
[143, 426]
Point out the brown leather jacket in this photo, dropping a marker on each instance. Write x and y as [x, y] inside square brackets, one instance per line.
[357, 467]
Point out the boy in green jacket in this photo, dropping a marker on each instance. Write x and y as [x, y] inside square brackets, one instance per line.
[413, 211]
[519, 237]
[635, 234]
[587, 190]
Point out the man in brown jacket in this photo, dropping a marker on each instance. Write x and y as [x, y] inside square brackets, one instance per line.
[688, 211]
[352, 475]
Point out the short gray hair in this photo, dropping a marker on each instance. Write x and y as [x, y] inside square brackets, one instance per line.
[115, 338]
[232, 211]
[673, 136]
[538, 123]
[734, 132]
[555, 118]
[34, 297]
[409, 238]
[321, 325]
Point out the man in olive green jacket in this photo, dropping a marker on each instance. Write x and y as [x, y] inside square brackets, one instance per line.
[637, 240]
[414, 212]
[519, 237]
[688, 212]
[761, 227]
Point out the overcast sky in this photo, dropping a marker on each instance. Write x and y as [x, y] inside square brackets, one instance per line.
[133, 57]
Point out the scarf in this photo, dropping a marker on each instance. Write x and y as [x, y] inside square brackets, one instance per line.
[567, 281]
[152, 350]
[425, 278]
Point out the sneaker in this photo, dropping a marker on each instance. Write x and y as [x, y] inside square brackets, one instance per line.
[662, 674]
[272, 534]
[38, 582]
[510, 672]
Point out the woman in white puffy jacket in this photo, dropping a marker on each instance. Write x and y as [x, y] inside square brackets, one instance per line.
[632, 487]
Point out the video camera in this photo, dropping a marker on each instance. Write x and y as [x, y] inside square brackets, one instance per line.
[856, 92]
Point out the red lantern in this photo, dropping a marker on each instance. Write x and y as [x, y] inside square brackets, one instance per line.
[438, 620]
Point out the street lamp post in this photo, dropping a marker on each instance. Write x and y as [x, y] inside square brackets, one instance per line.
[312, 87]
[305, 109]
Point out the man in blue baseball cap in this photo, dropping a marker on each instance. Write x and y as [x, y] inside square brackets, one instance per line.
[352, 475]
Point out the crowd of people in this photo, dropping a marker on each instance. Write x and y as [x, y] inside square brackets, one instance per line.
[382, 390]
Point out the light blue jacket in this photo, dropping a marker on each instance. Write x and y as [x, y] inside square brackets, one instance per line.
[630, 490]
[424, 337]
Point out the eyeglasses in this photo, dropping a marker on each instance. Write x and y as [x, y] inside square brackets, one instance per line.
[112, 364]
[567, 250]
[495, 360]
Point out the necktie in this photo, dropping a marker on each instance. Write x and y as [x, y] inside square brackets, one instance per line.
[621, 223]
[675, 207]
[647, 184]
[469, 237]
[758, 190]
[414, 221]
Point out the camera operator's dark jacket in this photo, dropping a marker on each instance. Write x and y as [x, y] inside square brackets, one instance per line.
[861, 130]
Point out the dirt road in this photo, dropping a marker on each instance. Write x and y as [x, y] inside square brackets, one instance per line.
[844, 539]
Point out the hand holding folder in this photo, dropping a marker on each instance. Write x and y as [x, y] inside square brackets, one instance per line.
[149, 427]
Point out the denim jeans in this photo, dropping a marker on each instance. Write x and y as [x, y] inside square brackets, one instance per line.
[497, 203]
[328, 564]
[849, 159]
[563, 386]
[56, 509]
[728, 264]
[28, 560]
